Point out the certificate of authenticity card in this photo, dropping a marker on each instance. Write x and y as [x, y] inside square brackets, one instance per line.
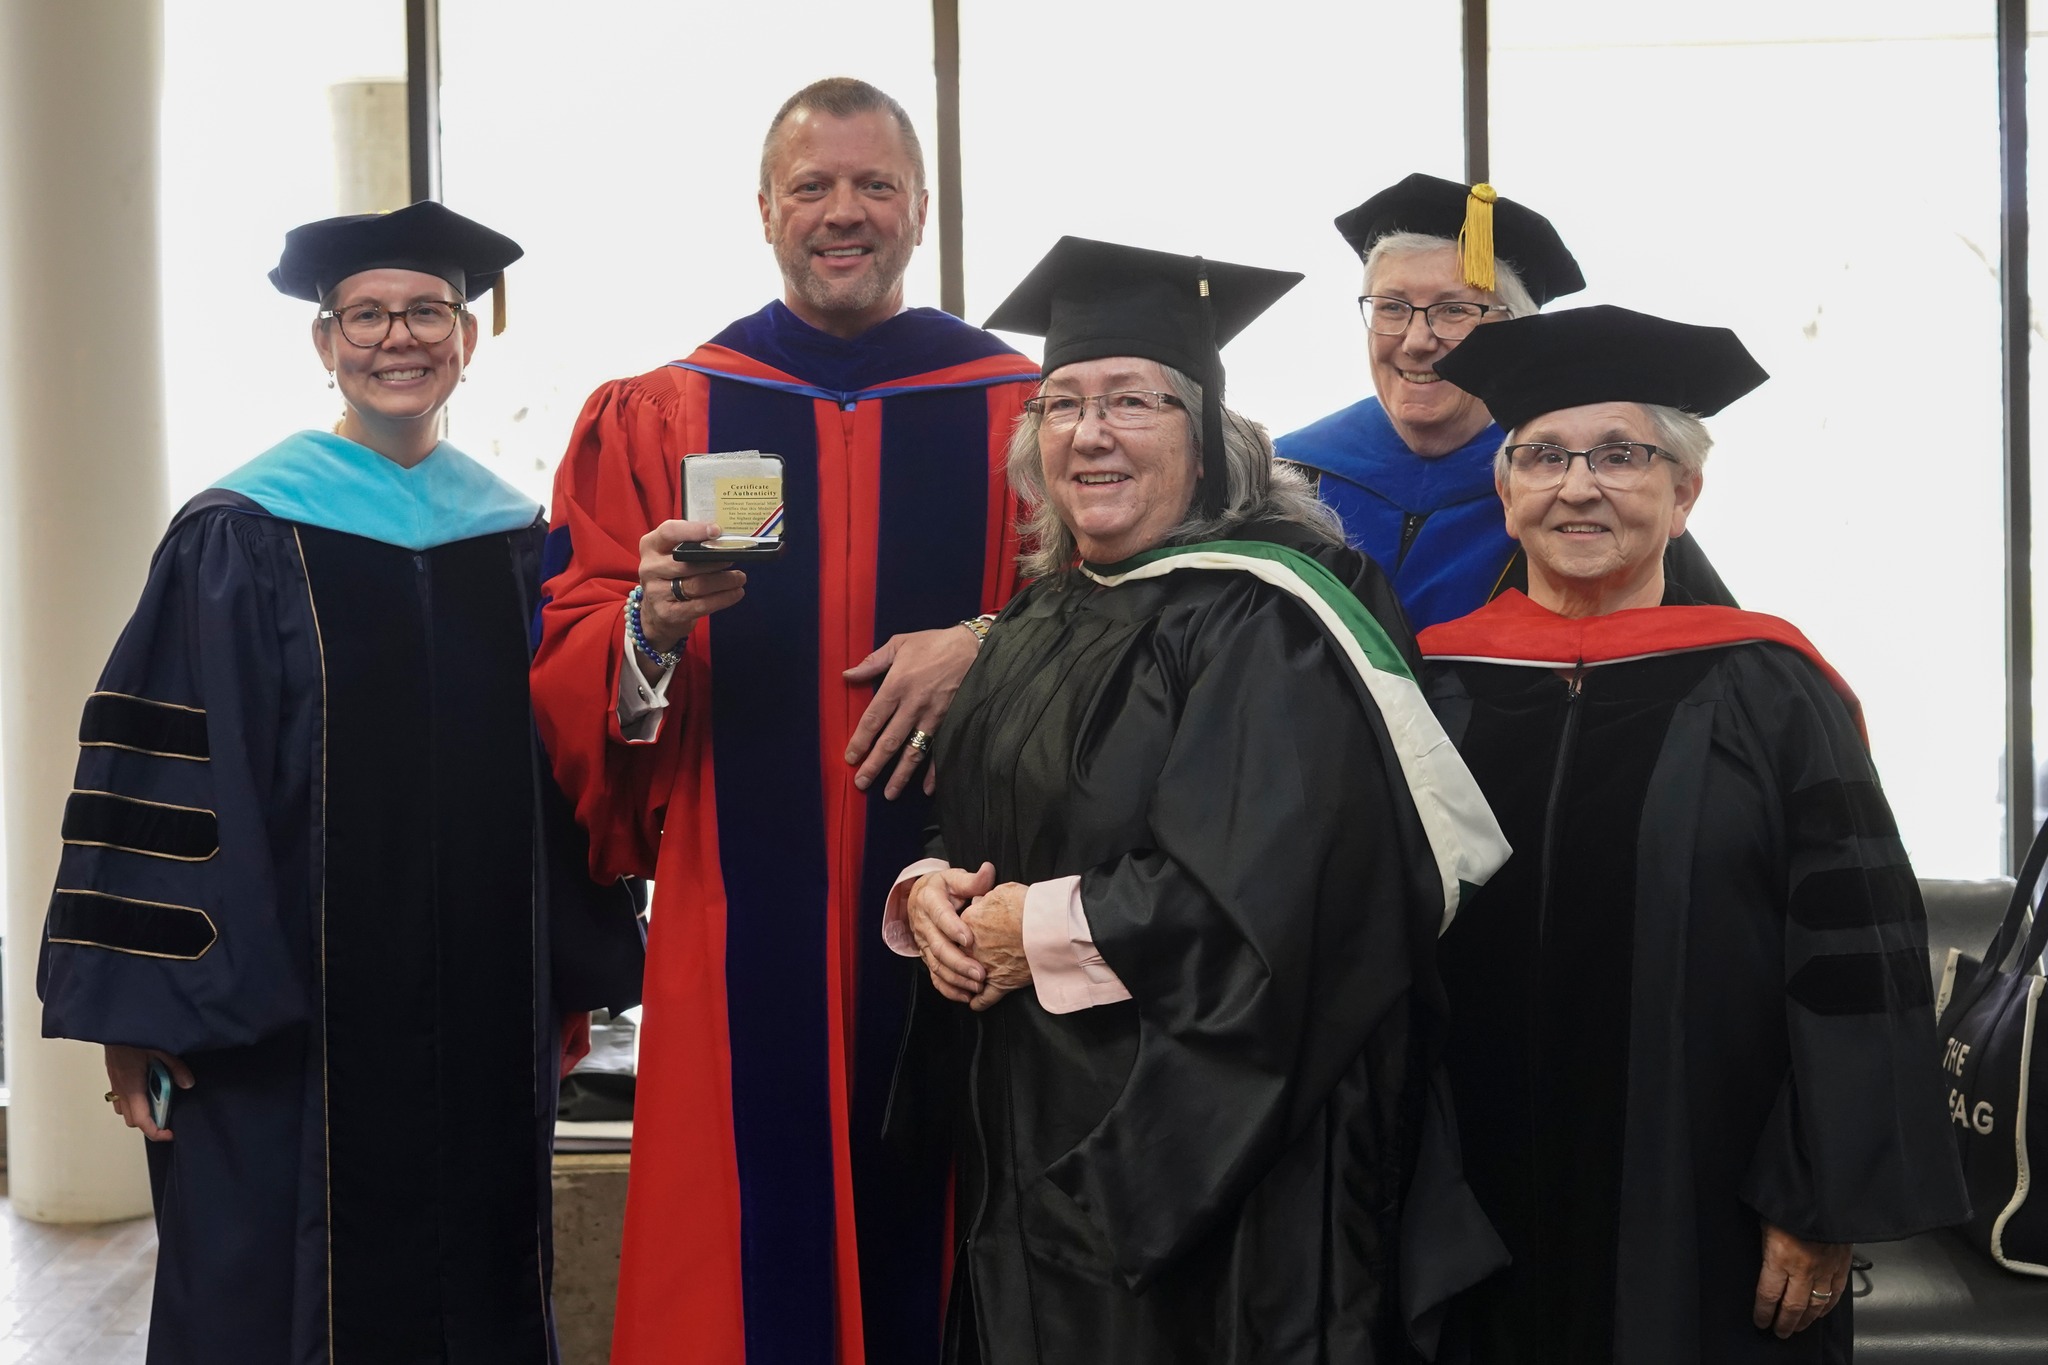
[740, 490]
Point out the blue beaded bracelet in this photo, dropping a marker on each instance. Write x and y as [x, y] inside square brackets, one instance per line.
[668, 659]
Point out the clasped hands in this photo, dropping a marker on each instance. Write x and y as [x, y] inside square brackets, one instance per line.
[918, 671]
[970, 933]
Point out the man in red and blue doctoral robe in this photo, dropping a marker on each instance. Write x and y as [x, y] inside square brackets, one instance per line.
[766, 1221]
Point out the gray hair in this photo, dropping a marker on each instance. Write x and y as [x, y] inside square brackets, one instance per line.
[1682, 435]
[842, 97]
[1679, 434]
[1257, 488]
[1508, 288]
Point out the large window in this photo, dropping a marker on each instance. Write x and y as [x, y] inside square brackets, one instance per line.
[1235, 134]
[621, 145]
[1818, 176]
[249, 150]
[1822, 178]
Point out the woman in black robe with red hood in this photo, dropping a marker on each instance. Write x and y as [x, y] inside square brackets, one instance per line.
[1692, 1047]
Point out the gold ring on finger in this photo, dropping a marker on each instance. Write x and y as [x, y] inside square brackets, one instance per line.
[113, 1096]
[1820, 1296]
[920, 741]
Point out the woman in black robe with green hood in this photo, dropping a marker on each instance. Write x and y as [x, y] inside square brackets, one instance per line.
[1197, 834]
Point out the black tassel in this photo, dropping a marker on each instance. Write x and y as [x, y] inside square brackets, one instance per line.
[1215, 490]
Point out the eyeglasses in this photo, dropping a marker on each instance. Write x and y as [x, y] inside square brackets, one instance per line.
[1123, 408]
[1451, 320]
[366, 325]
[1616, 464]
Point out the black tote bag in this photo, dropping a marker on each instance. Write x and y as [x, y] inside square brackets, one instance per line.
[1996, 1066]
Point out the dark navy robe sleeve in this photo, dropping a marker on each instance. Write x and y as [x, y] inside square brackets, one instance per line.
[1857, 1147]
[168, 924]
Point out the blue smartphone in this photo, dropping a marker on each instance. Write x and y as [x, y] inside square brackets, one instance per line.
[161, 1088]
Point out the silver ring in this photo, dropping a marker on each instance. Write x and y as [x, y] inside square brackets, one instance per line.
[920, 741]
[675, 590]
[1820, 1297]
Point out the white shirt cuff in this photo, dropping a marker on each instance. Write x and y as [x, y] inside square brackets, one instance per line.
[640, 702]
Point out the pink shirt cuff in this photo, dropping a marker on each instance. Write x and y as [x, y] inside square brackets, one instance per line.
[1066, 970]
[896, 914]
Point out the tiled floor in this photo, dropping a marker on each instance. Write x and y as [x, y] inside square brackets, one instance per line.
[76, 1295]
[79, 1295]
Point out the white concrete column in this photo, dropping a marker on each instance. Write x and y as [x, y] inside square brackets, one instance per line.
[83, 499]
[370, 154]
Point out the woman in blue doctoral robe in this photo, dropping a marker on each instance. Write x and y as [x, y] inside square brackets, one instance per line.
[315, 865]
[1410, 470]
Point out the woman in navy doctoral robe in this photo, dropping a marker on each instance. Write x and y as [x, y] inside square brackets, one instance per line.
[315, 867]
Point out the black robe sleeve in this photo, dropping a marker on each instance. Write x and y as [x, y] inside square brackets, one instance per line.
[1857, 1147]
[597, 948]
[167, 926]
[1265, 933]
[596, 944]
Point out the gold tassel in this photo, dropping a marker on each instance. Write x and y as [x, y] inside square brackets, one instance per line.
[498, 304]
[1475, 239]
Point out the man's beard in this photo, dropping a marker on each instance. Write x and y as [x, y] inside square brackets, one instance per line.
[886, 264]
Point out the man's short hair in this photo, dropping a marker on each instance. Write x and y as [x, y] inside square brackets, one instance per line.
[842, 97]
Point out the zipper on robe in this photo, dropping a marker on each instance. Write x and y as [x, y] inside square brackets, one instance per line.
[1411, 527]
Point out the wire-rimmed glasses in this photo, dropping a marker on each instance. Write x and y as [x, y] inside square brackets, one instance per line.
[1119, 408]
[1619, 465]
[1449, 320]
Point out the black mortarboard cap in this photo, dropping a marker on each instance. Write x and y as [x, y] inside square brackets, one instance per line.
[1476, 217]
[1525, 367]
[1092, 299]
[427, 237]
